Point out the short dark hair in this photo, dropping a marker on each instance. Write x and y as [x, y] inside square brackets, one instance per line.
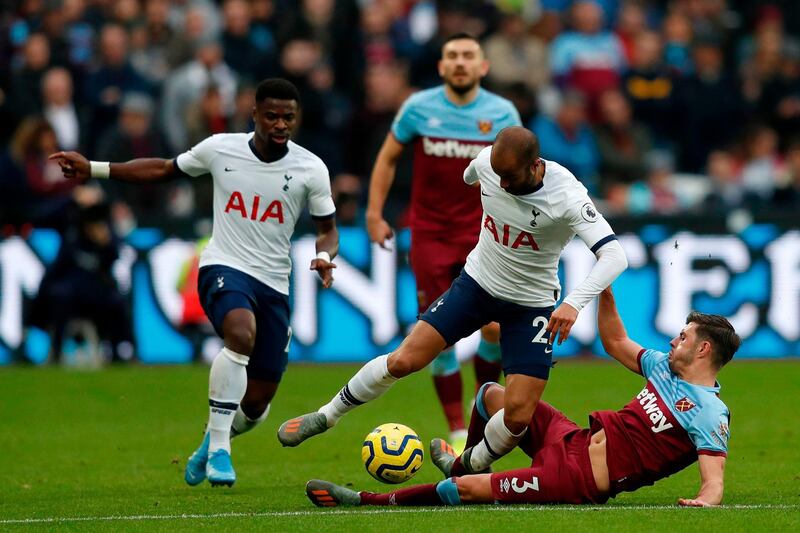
[460, 35]
[277, 88]
[719, 332]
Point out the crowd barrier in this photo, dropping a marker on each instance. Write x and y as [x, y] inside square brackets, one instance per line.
[752, 277]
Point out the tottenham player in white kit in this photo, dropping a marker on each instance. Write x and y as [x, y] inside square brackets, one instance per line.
[531, 209]
[262, 183]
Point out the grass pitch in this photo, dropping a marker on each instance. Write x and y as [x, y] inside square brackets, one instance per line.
[105, 450]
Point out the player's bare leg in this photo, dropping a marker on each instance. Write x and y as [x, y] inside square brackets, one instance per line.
[227, 385]
[453, 491]
[506, 427]
[417, 351]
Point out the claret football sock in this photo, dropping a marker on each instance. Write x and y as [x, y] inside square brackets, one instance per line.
[497, 441]
[242, 423]
[487, 363]
[227, 383]
[368, 384]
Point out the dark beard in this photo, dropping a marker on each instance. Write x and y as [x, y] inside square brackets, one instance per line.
[462, 90]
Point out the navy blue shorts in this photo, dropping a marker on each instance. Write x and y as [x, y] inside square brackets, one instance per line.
[466, 307]
[223, 289]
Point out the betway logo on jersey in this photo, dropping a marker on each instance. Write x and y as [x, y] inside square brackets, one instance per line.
[450, 148]
[649, 402]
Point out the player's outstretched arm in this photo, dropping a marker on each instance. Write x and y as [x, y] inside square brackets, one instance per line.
[76, 166]
[612, 332]
[380, 182]
[327, 248]
[712, 470]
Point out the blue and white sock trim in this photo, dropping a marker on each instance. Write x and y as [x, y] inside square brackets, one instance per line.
[479, 402]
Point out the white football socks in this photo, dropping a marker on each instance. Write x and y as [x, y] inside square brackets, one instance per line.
[227, 383]
[369, 383]
[242, 423]
[497, 441]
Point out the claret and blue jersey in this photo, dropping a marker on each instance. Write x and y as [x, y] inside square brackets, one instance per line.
[446, 137]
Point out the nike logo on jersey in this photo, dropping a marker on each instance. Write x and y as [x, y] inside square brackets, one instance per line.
[228, 169]
[484, 194]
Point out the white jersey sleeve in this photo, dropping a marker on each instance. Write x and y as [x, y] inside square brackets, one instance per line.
[588, 223]
[471, 176]
[197, 160]
[320, 200]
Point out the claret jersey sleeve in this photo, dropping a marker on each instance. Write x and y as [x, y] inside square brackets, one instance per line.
[197, 160]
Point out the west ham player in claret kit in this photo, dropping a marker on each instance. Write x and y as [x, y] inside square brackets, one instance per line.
[262, 183]
[447, 126]
[532, 208]
[677, 418]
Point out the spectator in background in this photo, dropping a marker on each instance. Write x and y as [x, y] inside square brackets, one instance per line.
[41, 194]
[53, 25]
[186, 85]
[242, 119]
[654, 194]
[249, 57]
[631, 23]
[780, 96]
[677, 31]
[516, 56]
[152, 40]
[206, 117]
[787, 194]
[347, 191]
[105, 85]
[762, 165]
[650, 87]
[80, 284]
[623, 143]
[726, 188]
[569, 140]
[59, 109]
[193, 29]
[79, 34]
[709, 105]
[25, 93]
[587, 58]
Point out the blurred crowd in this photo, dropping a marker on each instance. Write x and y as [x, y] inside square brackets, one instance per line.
[657, 106]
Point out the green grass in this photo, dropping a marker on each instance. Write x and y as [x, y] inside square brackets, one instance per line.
[114, 442]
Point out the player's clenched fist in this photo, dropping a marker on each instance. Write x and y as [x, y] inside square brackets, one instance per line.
[73, 165]
[561, 322]
[325, 270]
[379, 230]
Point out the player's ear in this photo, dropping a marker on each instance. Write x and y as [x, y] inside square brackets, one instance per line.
[484, 67]
[440, 68]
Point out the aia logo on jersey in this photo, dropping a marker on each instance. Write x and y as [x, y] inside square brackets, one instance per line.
[485, 126]
[273, 210]
[684, 404]
[524, 238]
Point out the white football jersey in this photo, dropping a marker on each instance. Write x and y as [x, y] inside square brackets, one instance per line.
[522, 237]
[257, 204]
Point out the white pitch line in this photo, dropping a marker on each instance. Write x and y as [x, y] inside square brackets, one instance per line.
[272, 514]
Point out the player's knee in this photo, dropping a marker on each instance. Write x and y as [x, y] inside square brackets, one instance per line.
[241, 339]
[400, 364]
[517, 414]
[491, 332]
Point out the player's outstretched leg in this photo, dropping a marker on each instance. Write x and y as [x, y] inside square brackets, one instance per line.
[326, 494]
[369, 383]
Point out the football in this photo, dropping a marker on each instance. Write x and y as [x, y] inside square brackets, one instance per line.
[392, 453]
